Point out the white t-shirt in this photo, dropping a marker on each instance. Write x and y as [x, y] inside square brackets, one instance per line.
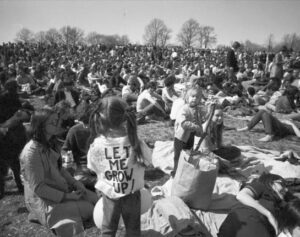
[144, 100]
[70, 99]
[126, 90]
[111, 159]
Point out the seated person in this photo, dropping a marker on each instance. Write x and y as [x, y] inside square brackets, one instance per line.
[130, 91]
[52, 196]
[282, 101]
[77, 141]
[261, 202]
[150, 104]
[214, 140]
[67, 93]
[273, 126]
[169, 95]
[285, 103]
[93, 75]
[66, 117]
[25, 81]
[267, 98]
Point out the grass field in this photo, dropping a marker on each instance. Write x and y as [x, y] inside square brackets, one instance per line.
[13, 214]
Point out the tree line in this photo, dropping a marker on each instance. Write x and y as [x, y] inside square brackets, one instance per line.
[157, 33]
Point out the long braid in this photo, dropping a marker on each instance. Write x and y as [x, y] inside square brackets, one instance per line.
[94, 122]
[133, 138]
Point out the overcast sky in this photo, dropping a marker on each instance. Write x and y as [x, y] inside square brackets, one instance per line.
[232, 19]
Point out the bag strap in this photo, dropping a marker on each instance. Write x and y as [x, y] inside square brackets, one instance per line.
[212, 111]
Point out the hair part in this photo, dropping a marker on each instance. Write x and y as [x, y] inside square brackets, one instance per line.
[37, 125]
[111, 113]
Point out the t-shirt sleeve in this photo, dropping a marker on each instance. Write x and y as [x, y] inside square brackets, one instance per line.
[94, 157]
[257, 188]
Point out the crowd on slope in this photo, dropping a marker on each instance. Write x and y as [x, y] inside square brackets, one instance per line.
[95, 98]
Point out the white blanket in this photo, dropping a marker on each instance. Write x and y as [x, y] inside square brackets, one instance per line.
[226, 188]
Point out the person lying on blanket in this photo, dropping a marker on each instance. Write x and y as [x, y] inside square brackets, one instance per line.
[273, 126]
[260, 209]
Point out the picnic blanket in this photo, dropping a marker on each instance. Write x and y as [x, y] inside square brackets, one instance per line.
[253, 162]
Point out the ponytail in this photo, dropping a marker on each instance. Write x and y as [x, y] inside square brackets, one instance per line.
[95, 122]
[132, 136]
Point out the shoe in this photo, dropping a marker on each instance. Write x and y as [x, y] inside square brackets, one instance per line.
[267, 138]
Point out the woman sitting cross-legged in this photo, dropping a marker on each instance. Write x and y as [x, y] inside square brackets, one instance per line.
[273, 126]
[52, 196]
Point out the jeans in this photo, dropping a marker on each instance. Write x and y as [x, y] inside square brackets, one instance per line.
[129, 207]
[271, 124]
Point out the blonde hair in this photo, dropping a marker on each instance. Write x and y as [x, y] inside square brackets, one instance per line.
[188, 92]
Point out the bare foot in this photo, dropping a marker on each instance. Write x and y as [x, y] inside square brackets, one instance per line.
[267, 138]
[242, 129]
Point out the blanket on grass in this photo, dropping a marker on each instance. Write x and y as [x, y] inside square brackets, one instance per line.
[252, 162]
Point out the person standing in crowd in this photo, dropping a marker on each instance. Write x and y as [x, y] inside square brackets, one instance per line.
[12, 138]
[276, 71]
[116, 149]
[52, 196]
[231, 60]
[188, 124]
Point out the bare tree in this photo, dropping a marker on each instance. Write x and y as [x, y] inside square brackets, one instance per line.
[290, 40]
[40, 37]
[157, 33]
[164, 37]
[250, 46]
[207, 36]
[25, 35]
[53, 36]
[71, 35]
[124, 40]
[188, 33]
[94, 38]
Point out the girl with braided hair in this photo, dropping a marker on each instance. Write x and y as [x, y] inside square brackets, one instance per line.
[118, 158]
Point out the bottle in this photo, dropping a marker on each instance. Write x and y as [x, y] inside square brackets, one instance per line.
[68, 162]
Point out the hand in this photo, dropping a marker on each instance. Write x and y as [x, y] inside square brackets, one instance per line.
[75, 195]
[79, 187]
[205, 127]
[273, 222]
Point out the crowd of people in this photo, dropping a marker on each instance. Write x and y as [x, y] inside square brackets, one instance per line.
[96, 96]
